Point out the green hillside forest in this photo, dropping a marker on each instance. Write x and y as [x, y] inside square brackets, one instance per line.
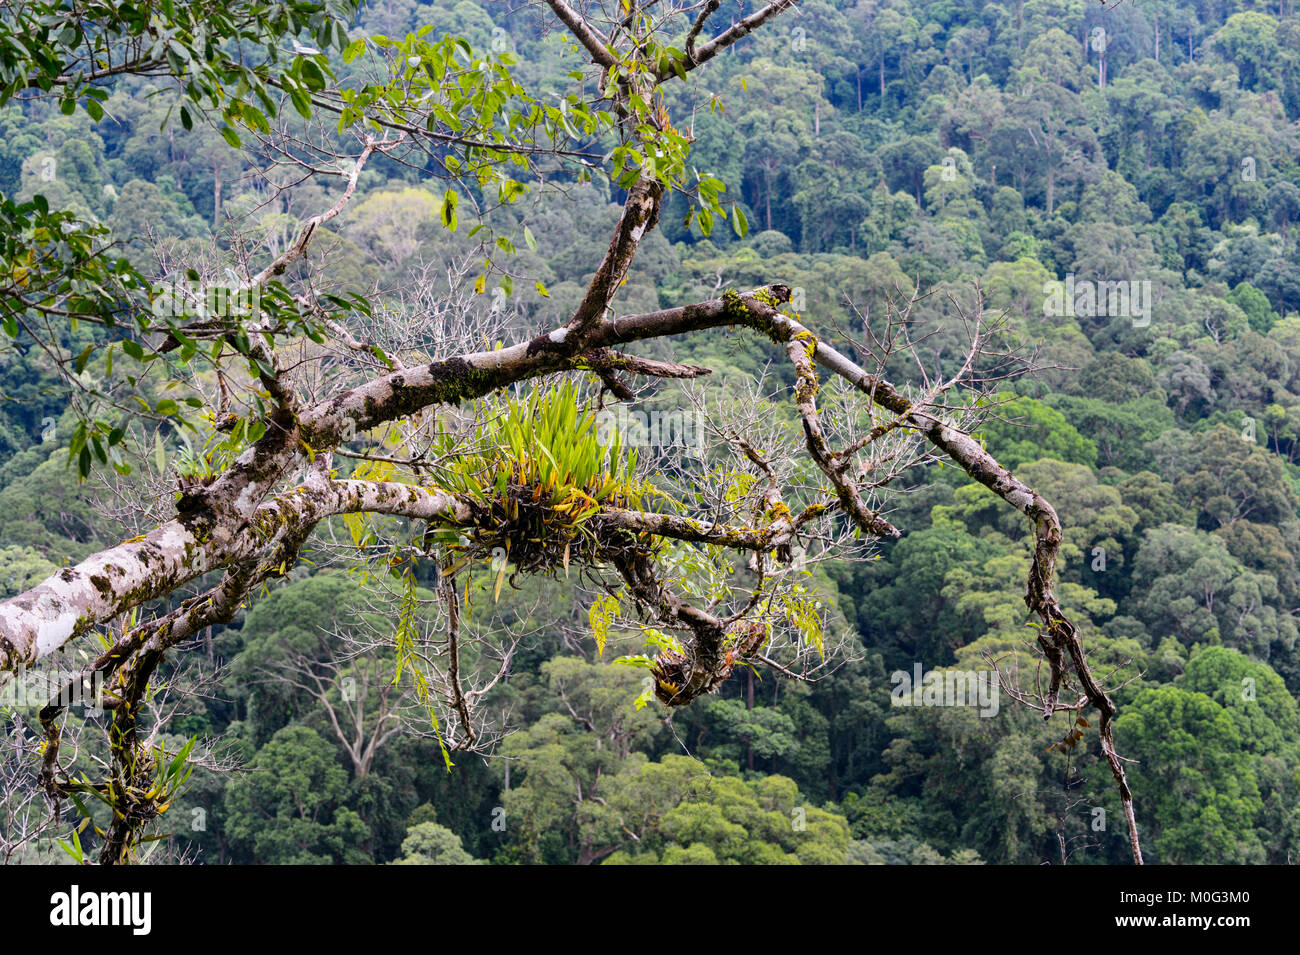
[688, 432]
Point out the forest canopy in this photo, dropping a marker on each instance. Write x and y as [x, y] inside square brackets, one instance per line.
[820, 432]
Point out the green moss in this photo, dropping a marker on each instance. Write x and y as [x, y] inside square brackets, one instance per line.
[778, 511]
[734, 306]
[806, 388]
[809, 341]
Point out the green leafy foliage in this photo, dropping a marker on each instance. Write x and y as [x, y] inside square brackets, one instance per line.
[887, 146]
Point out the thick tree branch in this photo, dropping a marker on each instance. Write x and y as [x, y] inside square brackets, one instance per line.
[710, 8]
[639, 215]
[585, 33]
[800, 348]
[700, 532]
[737, 31]
[73, 601]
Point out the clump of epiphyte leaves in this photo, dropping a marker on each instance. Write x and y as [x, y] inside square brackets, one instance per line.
[539, 472]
